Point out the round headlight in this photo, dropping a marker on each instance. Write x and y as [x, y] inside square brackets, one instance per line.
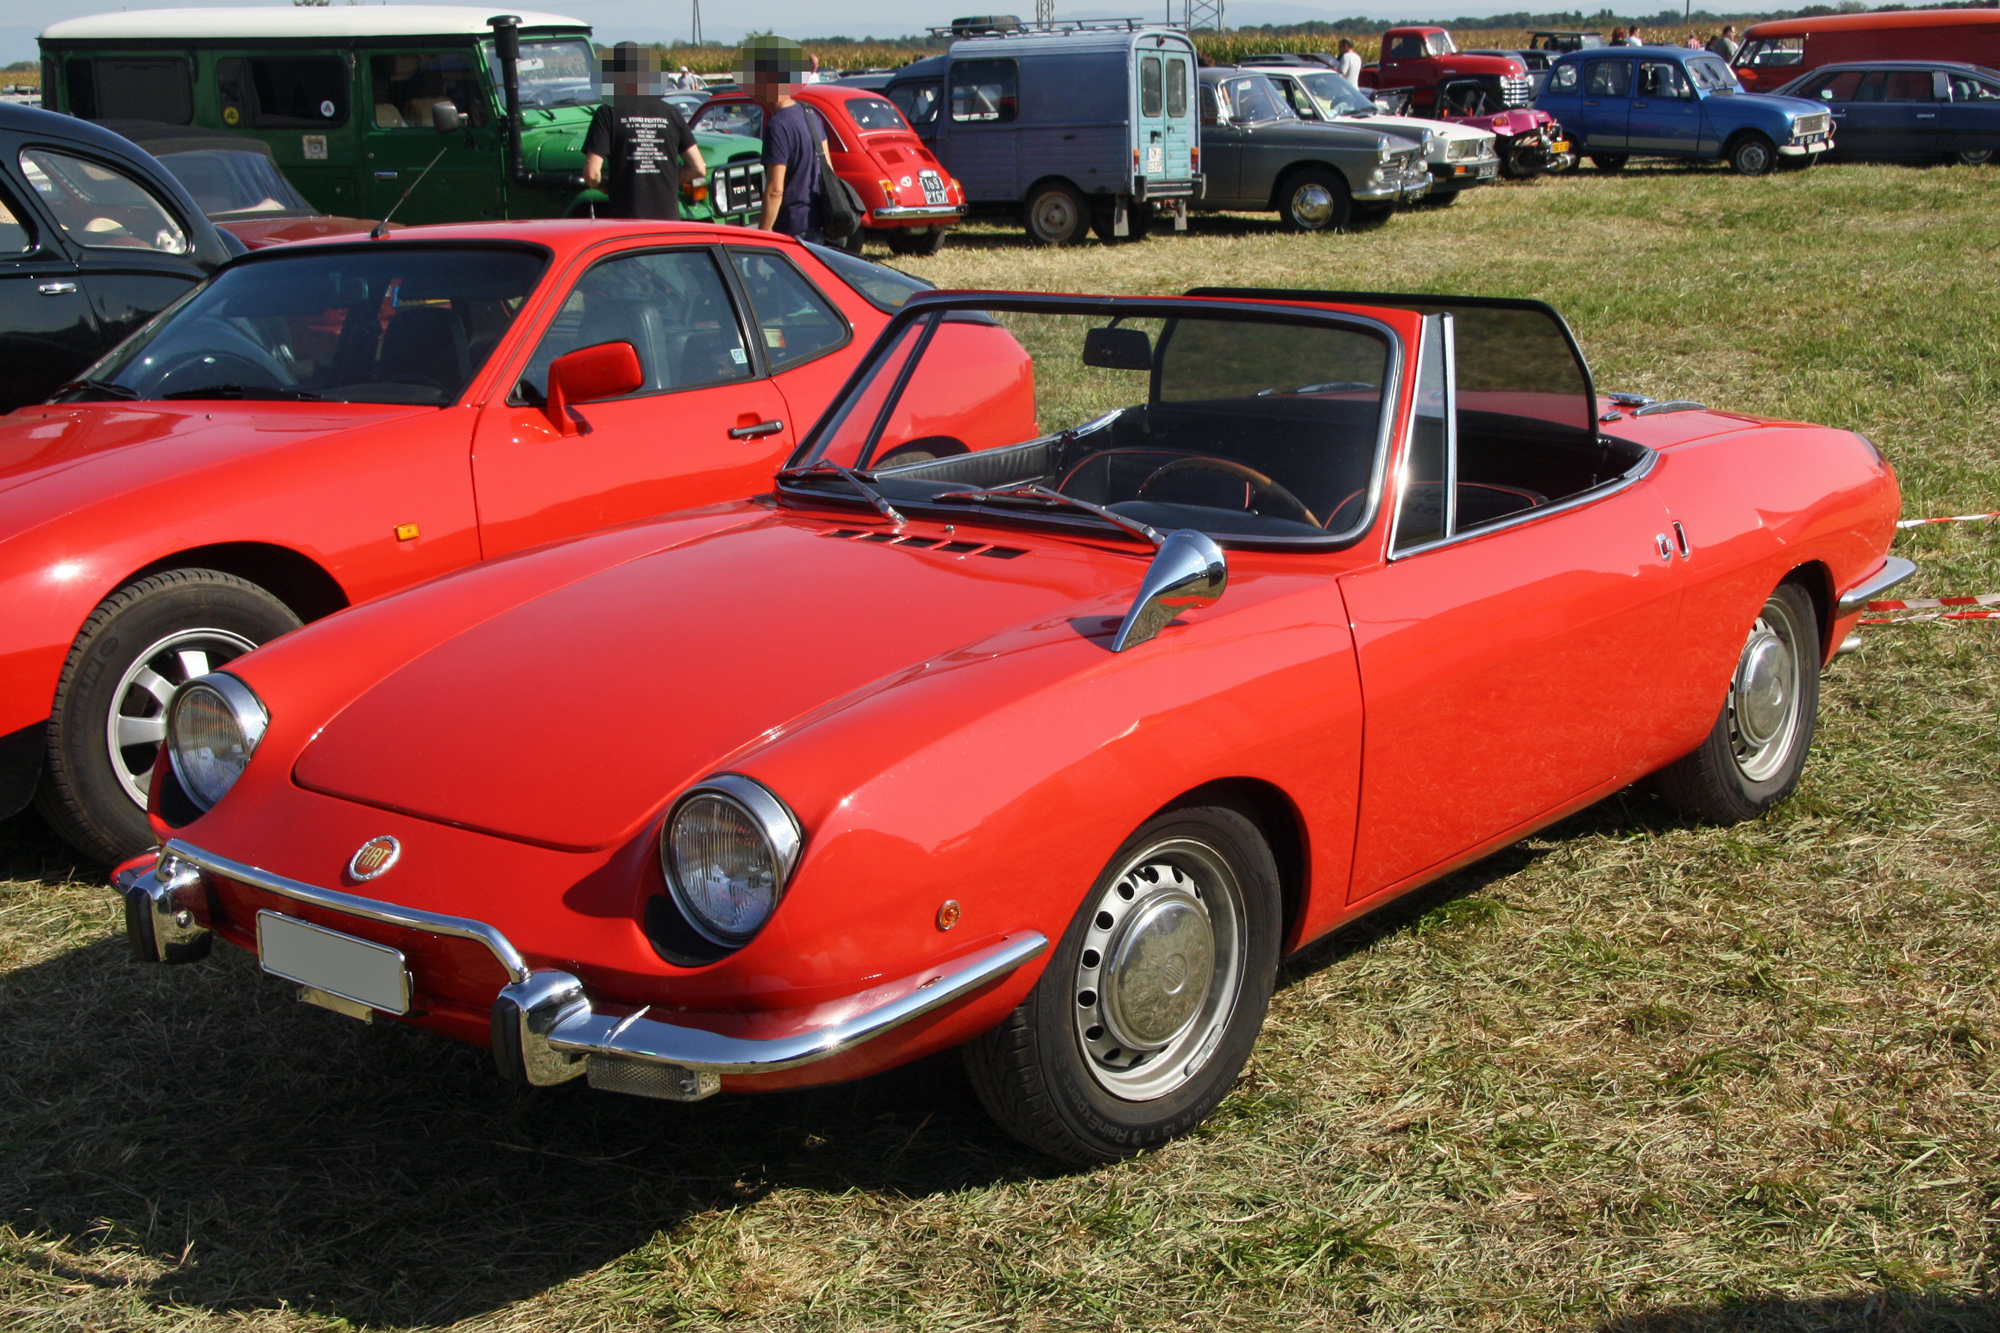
[728, 849]
[212, 730]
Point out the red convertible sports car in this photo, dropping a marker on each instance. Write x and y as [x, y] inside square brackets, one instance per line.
[1039, 711]
[324, 423]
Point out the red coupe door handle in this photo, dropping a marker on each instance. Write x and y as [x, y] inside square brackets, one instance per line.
[757, 431]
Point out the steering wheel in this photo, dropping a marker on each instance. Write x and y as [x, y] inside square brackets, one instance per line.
[1260, 484]
[200, 369]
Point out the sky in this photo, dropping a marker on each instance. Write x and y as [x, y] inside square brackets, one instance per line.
[728, 20]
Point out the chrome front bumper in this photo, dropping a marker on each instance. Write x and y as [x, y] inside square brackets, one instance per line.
[546, 1030]
[1393, 185]
[1894, 570]
[1805, 149]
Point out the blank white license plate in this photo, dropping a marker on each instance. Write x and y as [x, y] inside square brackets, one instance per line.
[371, 974]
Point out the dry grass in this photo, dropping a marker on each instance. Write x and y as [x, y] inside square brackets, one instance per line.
[1631, 1076]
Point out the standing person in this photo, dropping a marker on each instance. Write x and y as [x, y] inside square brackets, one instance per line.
[1724, 43]
[794, 143]
[1617, 37]
[1634, 38]
[1349, 64]
[638, 140]
[688, 81]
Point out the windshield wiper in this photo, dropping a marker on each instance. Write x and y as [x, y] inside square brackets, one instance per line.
[234, 391]
[1035, 491]
[105, 387]
[869, 493]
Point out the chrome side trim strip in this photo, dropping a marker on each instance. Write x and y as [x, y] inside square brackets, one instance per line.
[458, 927]
[1894, 570]
[638, 1037]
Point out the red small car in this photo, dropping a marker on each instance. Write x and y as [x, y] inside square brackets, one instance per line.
[322, 423]
[1040, 711]
[911, 200]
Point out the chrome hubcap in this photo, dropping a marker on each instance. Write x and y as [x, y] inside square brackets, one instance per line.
[1764, 697]
[138, 719]
[1754, 157]
[1160, 969]
[1312, 205]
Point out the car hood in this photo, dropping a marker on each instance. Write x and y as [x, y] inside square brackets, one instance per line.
[571, 718]
[1412, 127]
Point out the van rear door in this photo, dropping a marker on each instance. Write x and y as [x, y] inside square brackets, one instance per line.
[1149, 127]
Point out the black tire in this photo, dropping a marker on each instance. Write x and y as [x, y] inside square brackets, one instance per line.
[908, 242]
[1514, 163]
[1752, 154]
[1104, 220]
[1977, 157]
[1056, 214]
[1609, 161]
[179, 622]
[1315, 199]
[1440, 198]
[1047, 1073]
[1745, 766]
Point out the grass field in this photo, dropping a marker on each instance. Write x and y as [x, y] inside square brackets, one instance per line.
[1631, 1076]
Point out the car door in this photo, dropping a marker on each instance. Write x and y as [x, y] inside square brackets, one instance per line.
[1221, 152]
[1972, 118]
[1893, 115]
[47, 331]
[1835, 90]
[1607, 105]
[448, 177]
[706, 425]
[1664, 116]
[1506, 670]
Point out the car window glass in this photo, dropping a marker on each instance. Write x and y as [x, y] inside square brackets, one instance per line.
[744, 119]
[555, 71]
[1440, 44]
[1965, 88]
[15, 236]
[1420, 515]
[1870, 87]
[1711, 75]
[793, 317]
[1909, 85]
[1252, 100]
[670, 305]
[1608, 78]
[984, 90]
[100, 206]
[876, 113]
[1152, 96]
[230, 181]
[131, 88]
[1177, 87]
[406, 85]
[1210, 114]
[404, 324]
[1662, 80]
[283, 92]
[883, 287]
[1837, 87]
[918, 101]
[1563, 80]
[1406, 48]
[1342, 97]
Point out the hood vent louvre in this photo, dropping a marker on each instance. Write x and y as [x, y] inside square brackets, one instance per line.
[938, 544]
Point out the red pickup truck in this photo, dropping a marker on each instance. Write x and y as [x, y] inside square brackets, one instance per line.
[1485, 91]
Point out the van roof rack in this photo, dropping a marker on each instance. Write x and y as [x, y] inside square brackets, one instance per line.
[1006, 25]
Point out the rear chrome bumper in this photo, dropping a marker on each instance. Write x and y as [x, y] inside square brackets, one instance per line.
[1894, 570]
[545, 1029]
[918, 213]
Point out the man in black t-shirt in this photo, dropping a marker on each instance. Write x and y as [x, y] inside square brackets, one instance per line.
[637, 140]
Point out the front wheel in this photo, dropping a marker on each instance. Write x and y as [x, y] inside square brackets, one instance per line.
[1314, 199]
[1752, 155]
[1056, 214]
[1755, 752]
[1150, 1004]
[110, 711]
[1975, 157]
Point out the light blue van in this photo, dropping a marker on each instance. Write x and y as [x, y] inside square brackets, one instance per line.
[1080, 126]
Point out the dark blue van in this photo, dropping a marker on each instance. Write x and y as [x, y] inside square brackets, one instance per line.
[1081, 126]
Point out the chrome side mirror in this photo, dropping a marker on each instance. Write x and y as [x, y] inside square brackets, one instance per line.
[444, 117]
[1188, 571]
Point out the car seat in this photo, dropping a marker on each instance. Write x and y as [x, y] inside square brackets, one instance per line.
[425, 344]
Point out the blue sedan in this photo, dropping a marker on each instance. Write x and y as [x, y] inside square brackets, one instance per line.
[1908, 110]
[1667, 101]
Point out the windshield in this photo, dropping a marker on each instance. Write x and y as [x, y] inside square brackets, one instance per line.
[1336, 95]
[554, 72]
[228, 182]
[1258, 428]
[1711, 75]
[1440, 44]
[881, 286]
[400, 323]
[1250, 99]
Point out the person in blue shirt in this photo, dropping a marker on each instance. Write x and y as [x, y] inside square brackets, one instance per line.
[794, 142]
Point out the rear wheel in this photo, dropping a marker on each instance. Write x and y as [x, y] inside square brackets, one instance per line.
[1752, 155]
[1977, 157]
[1152, 1000]
[1609, 161]
[1104, 220]
[110, 711]
[1755, 752]
[910, 241]
[1314, 199]
[1056, 214]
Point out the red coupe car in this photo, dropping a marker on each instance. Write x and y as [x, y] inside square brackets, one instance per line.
[911, 200]
[1035, 713]
[324, 423]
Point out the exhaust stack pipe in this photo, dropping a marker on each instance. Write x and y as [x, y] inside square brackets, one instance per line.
[507, 45]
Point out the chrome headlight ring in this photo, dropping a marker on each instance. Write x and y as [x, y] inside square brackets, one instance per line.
[726, 889]
[206, 772]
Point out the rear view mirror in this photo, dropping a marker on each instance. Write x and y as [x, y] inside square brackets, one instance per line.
[444, 116]
[608, 370]
[1118, 349]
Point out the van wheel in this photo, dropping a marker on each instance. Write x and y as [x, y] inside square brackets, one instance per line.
[1609, 161]
[1314, 199]
[1104, 219]
[1056, 214]
[910, 242]
[1752, 155]
[110, 711]
[1149, 1005]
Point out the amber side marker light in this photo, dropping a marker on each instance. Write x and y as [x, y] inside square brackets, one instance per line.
[948, 913]
[406, 532]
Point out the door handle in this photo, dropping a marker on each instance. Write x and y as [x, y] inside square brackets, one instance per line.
[757, 431]
[1681, 539]
[55, 288]
[385, 175]
[1927, 115]
[1665, 547]
[1640, 106]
